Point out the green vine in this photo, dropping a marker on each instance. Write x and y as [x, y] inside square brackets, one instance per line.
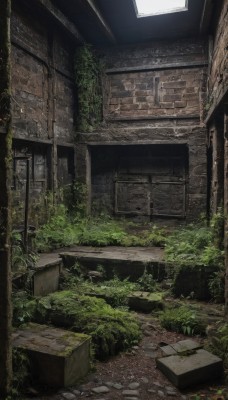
[88, 80]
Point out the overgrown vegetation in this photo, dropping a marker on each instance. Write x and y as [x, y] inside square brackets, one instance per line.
[196, 244]
[64, 229]
[197, 250]
[112, 330]
[21, 374]
[218, 343]
[182, 319]
[88, 71]
[114, 291]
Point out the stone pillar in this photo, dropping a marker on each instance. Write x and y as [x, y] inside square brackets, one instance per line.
[5, 195]
[83, 170]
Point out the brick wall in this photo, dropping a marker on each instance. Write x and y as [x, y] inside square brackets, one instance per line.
[42, 80]
[43, 100]
[218, 74]
[170, 92]
[153, 95]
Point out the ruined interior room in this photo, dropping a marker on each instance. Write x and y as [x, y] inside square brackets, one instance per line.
[113, 199]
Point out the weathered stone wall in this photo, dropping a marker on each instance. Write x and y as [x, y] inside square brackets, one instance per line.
[43, 98]
[218, 74]
[42, 81]
[153, 94]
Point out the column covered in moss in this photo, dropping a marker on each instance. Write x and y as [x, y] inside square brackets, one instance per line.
[5, 219]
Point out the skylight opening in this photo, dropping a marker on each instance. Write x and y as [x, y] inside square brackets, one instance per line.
[145, 8]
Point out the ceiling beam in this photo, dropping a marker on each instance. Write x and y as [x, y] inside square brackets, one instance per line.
[206, 16]
[61, 19]
[100, 19]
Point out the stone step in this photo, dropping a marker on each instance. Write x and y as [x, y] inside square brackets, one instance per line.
[125, 262]
[59, 358]
[185, 364]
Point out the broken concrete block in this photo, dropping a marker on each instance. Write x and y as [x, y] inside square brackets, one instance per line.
[46, 275]
[182, 347]
[187, 370]
[58, 358]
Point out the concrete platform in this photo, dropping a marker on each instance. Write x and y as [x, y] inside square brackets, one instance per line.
[58, 358]
[189, 365]
[122, 261]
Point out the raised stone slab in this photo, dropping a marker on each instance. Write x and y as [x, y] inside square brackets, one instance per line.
[46, 275]
[123, 261]
[58, 358]
[189, 365]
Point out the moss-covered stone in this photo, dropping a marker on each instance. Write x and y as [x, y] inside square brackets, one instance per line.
[111, 330]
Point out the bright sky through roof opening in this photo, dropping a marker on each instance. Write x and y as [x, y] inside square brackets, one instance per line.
[148, 7]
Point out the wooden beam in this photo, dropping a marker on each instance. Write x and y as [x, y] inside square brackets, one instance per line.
[139, 68]
[206, 16]
[101, 21]
[61, 19]
[151, 118]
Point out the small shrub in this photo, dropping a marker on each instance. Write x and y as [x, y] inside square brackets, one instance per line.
[194, 244]
[147, 282]
[183, 320]
[216, 286]
[218, 343]
[24, 308]
[21, 373]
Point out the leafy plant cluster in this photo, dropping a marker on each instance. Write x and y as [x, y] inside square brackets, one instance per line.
[88, 81]
[218, 343]
[114, 291]
[64, 229]
[195, 244]
[183, 320]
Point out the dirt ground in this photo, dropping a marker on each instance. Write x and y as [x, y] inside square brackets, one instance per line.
[133, 375]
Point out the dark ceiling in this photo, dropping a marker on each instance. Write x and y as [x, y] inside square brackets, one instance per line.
[120, 17]
[127, 28]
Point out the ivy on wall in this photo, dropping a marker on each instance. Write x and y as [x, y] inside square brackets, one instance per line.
[88, 81]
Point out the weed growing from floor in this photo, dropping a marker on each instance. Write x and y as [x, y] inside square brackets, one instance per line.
[65, 229]
[193, 244]
[182, 320]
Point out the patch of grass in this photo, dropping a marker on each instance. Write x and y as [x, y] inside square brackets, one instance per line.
[196, 244]
[182, 320]
[115, 292]
[63, 229]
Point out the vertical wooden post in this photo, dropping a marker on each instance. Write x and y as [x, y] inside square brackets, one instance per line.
[5, 206]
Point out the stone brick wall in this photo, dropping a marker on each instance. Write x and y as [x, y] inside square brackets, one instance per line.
[153, 95]
[42, 81]
[43, 98]
[218, 74]
[171, 92]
